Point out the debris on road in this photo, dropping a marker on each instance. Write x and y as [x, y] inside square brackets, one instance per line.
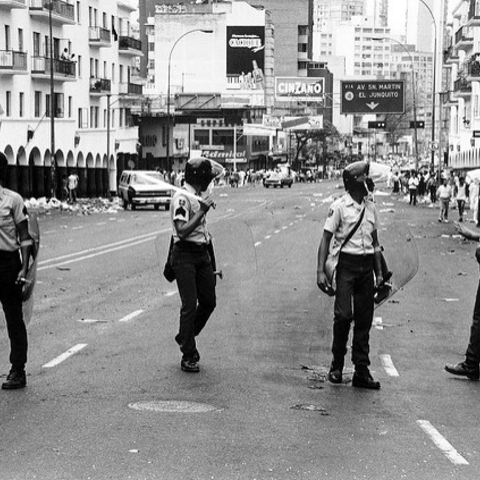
[84, 206]
[310, 408]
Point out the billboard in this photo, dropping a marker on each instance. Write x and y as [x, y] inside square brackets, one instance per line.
[305, 89]
[246, 55]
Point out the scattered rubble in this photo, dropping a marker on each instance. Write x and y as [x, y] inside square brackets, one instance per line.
[83, 206]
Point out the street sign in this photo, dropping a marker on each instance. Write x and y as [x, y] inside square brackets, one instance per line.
[374, 96]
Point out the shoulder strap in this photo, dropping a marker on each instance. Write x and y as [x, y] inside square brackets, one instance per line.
[354, 229]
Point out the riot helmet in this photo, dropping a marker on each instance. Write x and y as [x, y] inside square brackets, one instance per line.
[355, 177]
[201, 171]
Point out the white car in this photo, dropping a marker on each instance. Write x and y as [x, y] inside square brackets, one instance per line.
[143, 187]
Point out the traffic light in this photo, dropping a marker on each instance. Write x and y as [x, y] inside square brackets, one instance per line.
[419, 124]
[376, 124]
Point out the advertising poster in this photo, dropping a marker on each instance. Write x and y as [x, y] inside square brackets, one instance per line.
[246, 55]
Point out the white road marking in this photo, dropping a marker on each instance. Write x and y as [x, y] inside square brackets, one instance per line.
[378, 323]
[171, 293]
[257, 244]
[440, 441]
[65, 355]
[267, 237]
[388, 365]
[277, 231]
[78, 228]
[128, 317]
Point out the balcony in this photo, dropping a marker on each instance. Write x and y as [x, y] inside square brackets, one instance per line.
[462, 87]
[464, 37]
[474, 14]
[450, 56]
[13, 63]
[99, 37]
[9, 4]
[63, 70]
[63, 13]
[130, 46]
[473, 68]
[100, 86]
[127, 5]
[133, 89]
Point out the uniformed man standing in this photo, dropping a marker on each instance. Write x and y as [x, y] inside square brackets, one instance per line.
[359, 269]
[191, 256]
[14, 239]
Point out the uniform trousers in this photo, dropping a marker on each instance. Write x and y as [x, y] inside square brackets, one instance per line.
[196, 285]
[353, 303]
[473, 349]
[11, 299]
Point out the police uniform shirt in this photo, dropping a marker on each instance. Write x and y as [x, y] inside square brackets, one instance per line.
[342, 218]
[12, 213]
[183, 208]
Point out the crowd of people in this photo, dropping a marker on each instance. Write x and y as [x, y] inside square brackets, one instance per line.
[452, 191]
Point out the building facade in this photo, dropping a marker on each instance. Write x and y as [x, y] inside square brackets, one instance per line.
[84, 53]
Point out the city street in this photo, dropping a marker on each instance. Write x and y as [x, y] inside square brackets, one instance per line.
[106, 398]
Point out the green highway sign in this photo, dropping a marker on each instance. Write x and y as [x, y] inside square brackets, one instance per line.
[373, 96]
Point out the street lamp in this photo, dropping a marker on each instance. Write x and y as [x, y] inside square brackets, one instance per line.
[432, 145]
[414, 92]
[169, 84]
[53, 174]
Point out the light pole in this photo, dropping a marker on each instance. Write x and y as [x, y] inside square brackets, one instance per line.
[414, 95]
[169, 71]
[432, 145]
[53, 173]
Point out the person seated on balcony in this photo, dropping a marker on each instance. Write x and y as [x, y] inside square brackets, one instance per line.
[66, 57]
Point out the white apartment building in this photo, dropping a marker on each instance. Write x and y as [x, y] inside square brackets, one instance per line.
[93, 53]
[463, 91]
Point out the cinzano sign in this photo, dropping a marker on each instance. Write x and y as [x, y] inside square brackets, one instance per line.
[306, 89]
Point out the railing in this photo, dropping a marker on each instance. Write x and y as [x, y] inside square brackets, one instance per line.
[60, 67]
[23, 2]
[450, 54]
[13, 60]
[59, 7]
[462, 85]
[100, 85]
[464, 34]
[99, 34]
[131, 88]
[127, 43]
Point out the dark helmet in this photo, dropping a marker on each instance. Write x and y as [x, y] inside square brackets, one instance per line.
[353, 172]
[201, 171]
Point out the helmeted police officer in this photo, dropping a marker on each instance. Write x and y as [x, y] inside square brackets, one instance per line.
[191, 259]
[14, 238]
[357, 275]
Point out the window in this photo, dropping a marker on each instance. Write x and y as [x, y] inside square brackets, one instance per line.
[38, 104]
[113, 73]
[70, 107]
[120, 117]
[36, 44]
[79, 66]
[8, 104]
[78, 12]
[58, 105]
[82, 118]
[222, 137]
[20, 39]
[8, 45]
[202, 137]
[21, 99]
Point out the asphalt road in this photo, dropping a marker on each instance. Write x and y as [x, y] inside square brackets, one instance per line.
[106, 398]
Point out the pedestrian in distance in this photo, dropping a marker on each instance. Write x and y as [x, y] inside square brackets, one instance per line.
[461, 197]
[192, 256]
[15, 250]
[470, 366]
[432, 187]
[444, 193]
[473, 198]
[72, 187]
[358, 273]
[413, 188]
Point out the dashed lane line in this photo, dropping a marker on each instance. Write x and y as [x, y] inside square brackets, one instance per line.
[257, 244]
[442, 443]
[72, 351]
[131, 316]
[388, 365]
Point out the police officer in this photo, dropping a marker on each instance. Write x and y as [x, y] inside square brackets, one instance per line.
[14, 238]
[358, 273]
[191, 256]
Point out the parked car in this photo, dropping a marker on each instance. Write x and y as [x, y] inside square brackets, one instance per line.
[278, 179]
[143, 187]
